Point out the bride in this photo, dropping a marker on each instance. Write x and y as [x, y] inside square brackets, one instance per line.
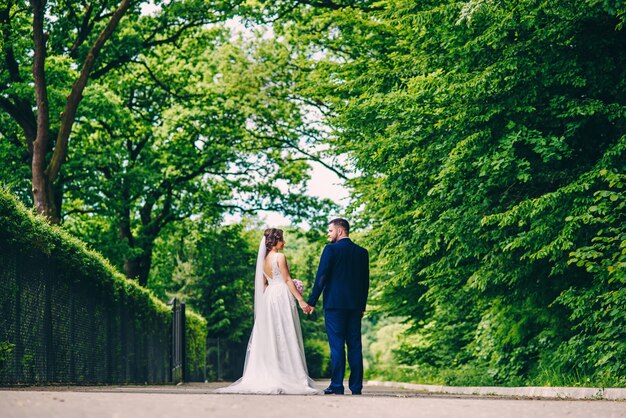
[275, 362]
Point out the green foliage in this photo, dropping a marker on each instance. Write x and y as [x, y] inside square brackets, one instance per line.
[212, 270]
[597, 309]
[317, 357]
[487, 136]
[5, 351]
[489, 139]
[381, 338]
[196, 336]
[179, 119]
[21, 228]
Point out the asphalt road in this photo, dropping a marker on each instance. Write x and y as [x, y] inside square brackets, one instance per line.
[196, 400]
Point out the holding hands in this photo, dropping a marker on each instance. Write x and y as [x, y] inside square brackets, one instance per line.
[306, 308]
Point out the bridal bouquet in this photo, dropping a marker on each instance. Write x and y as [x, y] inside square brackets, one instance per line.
[299, 285]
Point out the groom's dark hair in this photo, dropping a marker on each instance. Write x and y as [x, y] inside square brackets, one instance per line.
[341, 223]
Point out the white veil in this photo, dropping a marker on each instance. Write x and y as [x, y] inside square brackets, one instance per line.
[259, 279]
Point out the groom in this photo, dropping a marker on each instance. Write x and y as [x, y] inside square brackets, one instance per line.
[343, 277]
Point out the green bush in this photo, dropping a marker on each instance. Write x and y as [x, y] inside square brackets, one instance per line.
[196, 334]
[30, 234]
[317, 357]
[5, 350]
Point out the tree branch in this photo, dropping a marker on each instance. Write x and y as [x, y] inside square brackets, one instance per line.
[73, 100]
[166, 186]
[164, 87]
[126, 58]
[164, 217]
[136, 150]
[324, 108]
[22, 113]
[9, 56]
[328, 4]
[310, 156]
[248, 210]
[83, 31]
[79, 210]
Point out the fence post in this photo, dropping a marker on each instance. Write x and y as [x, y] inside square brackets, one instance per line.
[183, 343]
[219, 360]
[178, 357]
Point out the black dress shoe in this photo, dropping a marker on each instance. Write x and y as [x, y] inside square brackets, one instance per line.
[356, 393]
[331, 391]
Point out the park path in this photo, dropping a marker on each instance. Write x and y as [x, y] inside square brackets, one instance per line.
[197, 400]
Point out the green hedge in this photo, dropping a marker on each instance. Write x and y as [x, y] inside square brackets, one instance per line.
[29, 234]
[196, 335]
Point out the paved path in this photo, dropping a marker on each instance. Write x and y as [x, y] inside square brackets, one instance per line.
[197, 400]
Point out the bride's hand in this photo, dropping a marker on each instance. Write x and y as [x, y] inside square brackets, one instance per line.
[304, 306]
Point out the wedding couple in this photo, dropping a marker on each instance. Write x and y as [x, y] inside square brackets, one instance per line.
[275, 362]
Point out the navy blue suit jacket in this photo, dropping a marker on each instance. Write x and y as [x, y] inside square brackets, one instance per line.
[343, 276]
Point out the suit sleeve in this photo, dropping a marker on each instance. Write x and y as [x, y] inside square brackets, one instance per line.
[321, 278]
[366, 280]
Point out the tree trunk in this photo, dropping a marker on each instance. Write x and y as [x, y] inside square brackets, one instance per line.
[139, 267]
[42, 191]
[136, 267]
[45, 194]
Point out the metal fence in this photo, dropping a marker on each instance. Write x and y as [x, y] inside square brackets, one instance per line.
[55, 328]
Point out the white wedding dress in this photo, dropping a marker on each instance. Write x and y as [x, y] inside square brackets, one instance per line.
[275, 362]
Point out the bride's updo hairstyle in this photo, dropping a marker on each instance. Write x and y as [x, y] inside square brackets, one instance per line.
[272, 237]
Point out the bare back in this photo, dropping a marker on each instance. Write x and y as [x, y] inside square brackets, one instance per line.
[271, 268]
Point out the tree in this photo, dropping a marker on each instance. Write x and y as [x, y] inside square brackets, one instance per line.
[212, 269]
[176, 131]
[169, 148]
[70, 48]
[480, 131]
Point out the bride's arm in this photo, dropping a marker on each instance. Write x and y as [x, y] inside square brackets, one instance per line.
[284, 270]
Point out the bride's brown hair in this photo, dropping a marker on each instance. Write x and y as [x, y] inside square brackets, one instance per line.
[272, 237]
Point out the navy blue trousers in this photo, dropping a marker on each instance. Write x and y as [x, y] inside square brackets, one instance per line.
[343, 327]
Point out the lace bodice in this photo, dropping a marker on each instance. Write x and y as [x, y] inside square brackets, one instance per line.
[277, 277]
